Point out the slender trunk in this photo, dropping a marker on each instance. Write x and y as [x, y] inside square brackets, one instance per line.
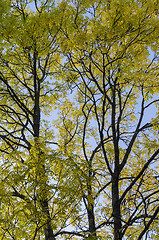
[48, 231]
[115, 175]
[90, 210]
[91, 221]
[36, 115]
[116, 208]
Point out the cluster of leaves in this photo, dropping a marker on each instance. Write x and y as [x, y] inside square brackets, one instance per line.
[78, 148]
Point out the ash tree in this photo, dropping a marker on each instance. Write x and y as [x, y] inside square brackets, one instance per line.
[34, 204]
[79, 120]
[108, 66]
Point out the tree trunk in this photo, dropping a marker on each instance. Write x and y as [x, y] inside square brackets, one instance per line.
[116, 209]
[90, 210]
[48, 231]
[48, 228]
[91, 221]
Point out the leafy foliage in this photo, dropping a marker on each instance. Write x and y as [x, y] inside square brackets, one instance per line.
[79, 119]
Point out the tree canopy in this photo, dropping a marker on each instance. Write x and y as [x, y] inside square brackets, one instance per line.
[79, 119]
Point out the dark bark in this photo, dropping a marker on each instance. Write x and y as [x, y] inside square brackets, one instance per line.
[48, 228]
[90, 209]
[91, 221]
[115, 175]
[48, 231]
[116, 208]
[36, 115]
